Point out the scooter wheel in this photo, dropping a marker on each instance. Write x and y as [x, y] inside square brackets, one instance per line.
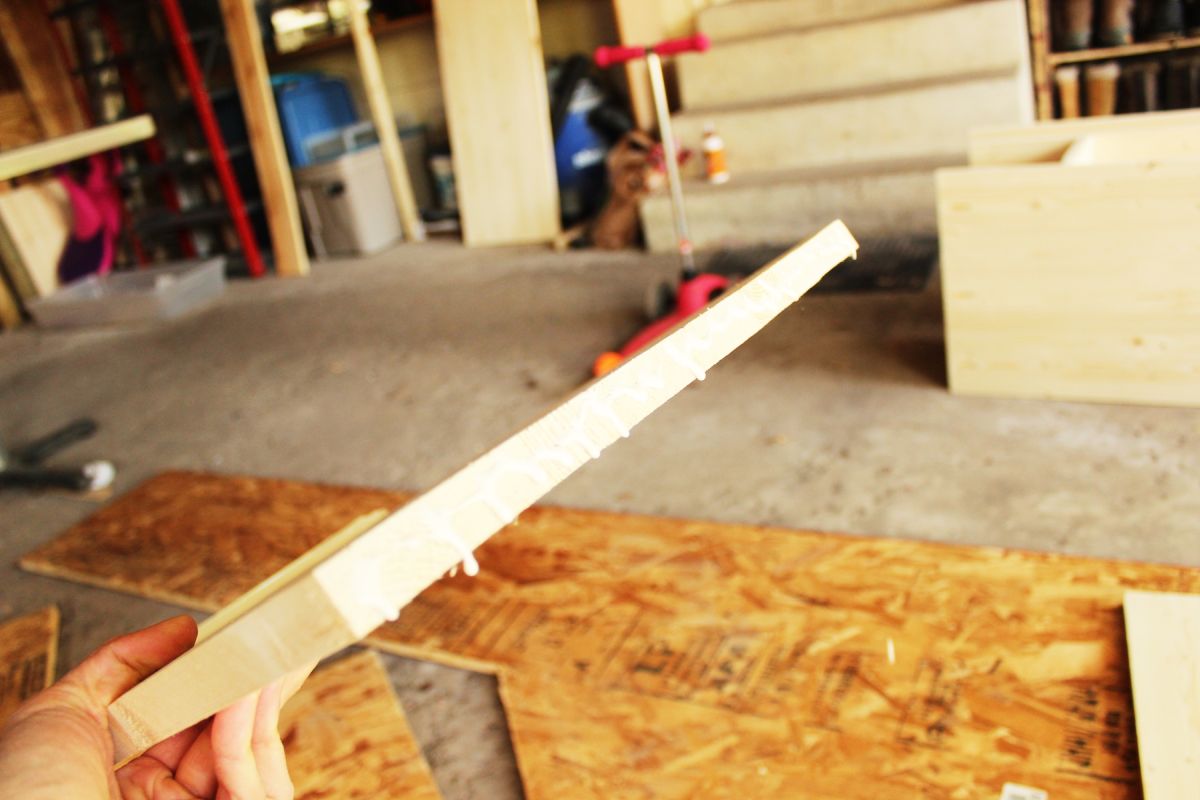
[606, 363]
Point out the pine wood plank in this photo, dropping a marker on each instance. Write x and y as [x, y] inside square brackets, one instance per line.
[358, 587]
[760, 17]
[621, 641]
[385, 124]
[244, 39]
[37, 219]
[1163, 632]
[497, 110]
[1048, 141]
[953, 42]
[1072, 282]
[63, 149]
[28, 657]
[344, 732]
[44, 78]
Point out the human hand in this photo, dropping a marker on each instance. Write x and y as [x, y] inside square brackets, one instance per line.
[57, 744]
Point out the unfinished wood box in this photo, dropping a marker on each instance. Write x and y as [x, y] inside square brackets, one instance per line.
[1071, 261]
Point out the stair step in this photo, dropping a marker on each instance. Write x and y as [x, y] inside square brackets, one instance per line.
[971, 39]
[758, 17]
[873, 199]
[913, 122]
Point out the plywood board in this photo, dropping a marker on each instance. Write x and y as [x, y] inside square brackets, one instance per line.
[346, 736]
[47, 84]
[1163, 632]
[498, 113]
[1048, 141]
[874, 198]
[976, 38]
[17, 124]
[642, 656]
[28, 657]
[1072, 282]
[915, 122]
[759, 17]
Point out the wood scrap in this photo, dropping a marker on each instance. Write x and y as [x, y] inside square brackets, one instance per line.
[1163, 632]
[46, 83]
[616, 635]
[63, 149]
[36, 217]
[357, 588]
[28, 657]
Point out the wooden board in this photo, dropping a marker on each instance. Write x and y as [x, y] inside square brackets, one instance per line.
[344, 732]
[977, 38]
[1163, 632]
[1072, 282]
[45, 80]
[244, 38]
[876, 199]
[37, 219]
[759, 17]
[64, 149]
[1048, 141]
[17, 124]
[642, 656]
[497, 110]
[927, 121]
[28, 657]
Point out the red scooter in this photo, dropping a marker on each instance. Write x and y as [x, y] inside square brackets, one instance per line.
[696, 289]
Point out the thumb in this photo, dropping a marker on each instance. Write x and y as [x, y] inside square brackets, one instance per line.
[126, 661]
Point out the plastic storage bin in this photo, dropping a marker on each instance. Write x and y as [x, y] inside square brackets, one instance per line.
[347, 204]
[310, 104]
[336, 143]
[137, 296]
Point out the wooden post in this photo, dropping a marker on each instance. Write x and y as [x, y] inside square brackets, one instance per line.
[47, 84]
[354, 589]
[266, 140]
[385, 124]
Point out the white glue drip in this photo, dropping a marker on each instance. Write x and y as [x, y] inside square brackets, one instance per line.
[502, 511]
[684, 361]
[609, 415]
[445, 532]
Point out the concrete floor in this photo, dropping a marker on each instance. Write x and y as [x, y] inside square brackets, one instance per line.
[392, 371]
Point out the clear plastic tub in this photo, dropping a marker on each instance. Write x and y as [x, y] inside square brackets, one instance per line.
[134, 296]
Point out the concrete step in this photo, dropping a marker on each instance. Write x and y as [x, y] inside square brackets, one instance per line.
[880, 199]
[972, 39]
[758, 17]
[911, 122]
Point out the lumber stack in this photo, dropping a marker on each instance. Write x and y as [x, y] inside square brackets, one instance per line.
[839, 107]
[1068, 261]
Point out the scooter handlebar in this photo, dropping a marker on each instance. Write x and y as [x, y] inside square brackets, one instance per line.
[619, 54]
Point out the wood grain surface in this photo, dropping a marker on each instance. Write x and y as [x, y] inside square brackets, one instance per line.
[642, 656]
[346, 737]
[28, 651]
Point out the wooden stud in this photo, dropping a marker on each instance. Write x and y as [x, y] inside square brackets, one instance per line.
[385, 125]
[47, 84]
[497, 110]
[357, 588]
[1163, 633]
[244, 39]
[64, 149]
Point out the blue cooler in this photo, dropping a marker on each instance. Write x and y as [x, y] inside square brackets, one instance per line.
[310, 103]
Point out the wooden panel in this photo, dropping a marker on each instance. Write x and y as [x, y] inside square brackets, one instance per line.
[345, 731]
[28, 656]
[643, 656]
[497, 109]
[37, 219]
[45, 80]
[1072, 282]
[1048, 141]
[877, 199]
[63, 149]
[266, 140]
[17, 125]
[976, 38]
[759, 17]
[1163, 632]
[917, 122]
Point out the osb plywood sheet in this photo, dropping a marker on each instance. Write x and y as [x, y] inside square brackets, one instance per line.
[645, 657]
[28, 651]
[346, 737]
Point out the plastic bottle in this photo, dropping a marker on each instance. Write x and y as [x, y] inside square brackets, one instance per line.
[714, 155]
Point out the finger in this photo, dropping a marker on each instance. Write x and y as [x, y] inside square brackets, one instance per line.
[233, 758]
[267, 747]
[170, 751]
[145, 778]
[126, 661]
[195, 770]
